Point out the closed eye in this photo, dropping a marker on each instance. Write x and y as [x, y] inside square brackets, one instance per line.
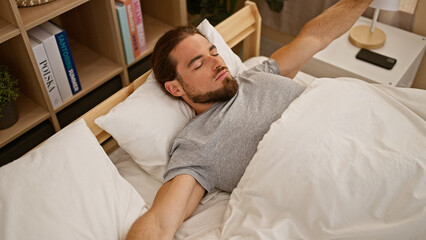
[213, 51]
[199, 59]
[199, 66]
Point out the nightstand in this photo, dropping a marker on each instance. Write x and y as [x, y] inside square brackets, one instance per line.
[338, 59]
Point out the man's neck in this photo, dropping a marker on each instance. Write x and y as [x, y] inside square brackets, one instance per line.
[200, 107]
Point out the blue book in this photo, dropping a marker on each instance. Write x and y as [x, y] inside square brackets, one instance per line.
[125, 32]
[65, 51]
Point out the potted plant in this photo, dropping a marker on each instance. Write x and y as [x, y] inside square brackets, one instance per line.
[8, 95]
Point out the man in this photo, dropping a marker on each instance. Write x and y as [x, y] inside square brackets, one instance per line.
[213, 151]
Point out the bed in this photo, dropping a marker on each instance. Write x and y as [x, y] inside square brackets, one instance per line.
[346, 160]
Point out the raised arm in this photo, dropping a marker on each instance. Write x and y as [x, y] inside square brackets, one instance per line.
[175, 201]
[318, 34]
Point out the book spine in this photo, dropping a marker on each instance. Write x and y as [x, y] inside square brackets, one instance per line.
[132, 27]
[68, 61]
[46, 73]
[125, 33]
[139, 24]
[55, 60]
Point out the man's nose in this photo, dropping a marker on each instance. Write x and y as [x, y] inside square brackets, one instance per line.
[215, 62]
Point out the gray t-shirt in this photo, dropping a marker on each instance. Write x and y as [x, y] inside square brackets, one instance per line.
[217, 145]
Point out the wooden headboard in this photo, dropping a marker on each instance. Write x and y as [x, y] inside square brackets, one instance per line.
[243, 26]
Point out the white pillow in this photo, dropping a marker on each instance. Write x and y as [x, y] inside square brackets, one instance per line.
[66, 189]
[148, 120]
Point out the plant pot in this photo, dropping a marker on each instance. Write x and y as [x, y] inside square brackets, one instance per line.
[10, 115]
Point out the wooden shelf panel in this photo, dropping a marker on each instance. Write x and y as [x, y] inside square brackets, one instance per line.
[33, 16]
[30, 114]
[154, 29]
[7, 31]
[92, 68]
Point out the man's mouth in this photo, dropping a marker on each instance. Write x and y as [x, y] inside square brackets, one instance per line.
[221, 73]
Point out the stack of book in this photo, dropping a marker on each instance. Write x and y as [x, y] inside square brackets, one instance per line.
[129, 15]
[54, 58]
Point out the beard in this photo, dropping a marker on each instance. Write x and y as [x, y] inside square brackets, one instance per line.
[228, 91]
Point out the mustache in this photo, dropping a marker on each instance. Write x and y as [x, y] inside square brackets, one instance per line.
[218, 70]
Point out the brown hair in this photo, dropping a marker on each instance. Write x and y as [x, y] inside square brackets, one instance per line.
[163, 66]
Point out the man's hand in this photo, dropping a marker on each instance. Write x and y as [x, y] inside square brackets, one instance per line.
[175, 201]
[318, 34]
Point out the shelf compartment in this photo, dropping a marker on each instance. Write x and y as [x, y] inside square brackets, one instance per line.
[33, 16]
[93, 70]
[87, 25]
[7, 31]
[19, 64]
[175, 14]
[30, 114]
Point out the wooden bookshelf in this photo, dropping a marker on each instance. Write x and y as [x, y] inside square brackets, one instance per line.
[93, 31]
[7, 31]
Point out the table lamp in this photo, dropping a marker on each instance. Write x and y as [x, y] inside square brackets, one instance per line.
[370, 37]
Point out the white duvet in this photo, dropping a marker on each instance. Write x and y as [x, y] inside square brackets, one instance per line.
[346, 160]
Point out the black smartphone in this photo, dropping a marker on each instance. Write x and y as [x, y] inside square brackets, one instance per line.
[376, 58]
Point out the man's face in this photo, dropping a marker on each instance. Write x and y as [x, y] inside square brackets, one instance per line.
[202, 73]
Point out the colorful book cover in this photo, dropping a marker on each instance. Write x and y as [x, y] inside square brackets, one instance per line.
[55, 60]
[125, 33]
[46, 72]
[67, 58]
[139, 24]
[132, 26]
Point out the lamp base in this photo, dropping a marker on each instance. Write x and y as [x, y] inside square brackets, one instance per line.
[361, 36]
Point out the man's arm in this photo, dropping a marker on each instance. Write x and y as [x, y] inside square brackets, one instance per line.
[175, 201]
[318, 34]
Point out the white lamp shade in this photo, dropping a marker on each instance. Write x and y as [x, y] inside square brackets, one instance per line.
[390, 5]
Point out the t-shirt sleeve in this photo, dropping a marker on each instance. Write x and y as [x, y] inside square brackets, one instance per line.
[269, 66]
[186, 158]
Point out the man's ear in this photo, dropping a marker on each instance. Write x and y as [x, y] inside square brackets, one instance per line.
[174, 88]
